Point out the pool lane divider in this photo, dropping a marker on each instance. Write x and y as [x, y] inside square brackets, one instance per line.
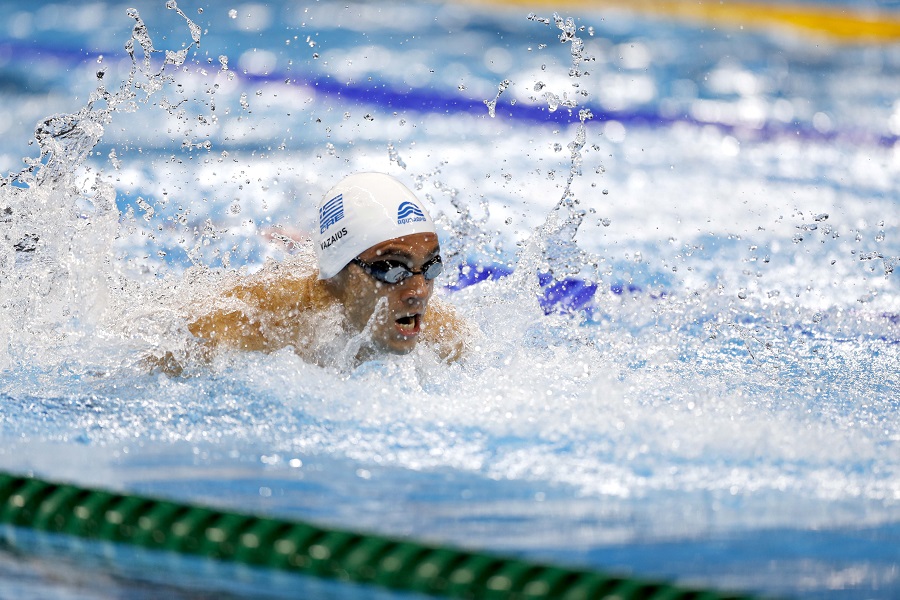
[435, 101]
[845, 24]
[307, 549]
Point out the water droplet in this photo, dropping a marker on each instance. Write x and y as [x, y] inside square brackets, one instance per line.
[171, 4]
[114, 159]
[552, 101]
[605, 192]
[742, 294]
[394, 155]
[232, 13]
[145, 206]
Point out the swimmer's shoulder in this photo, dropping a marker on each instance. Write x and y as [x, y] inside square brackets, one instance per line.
[285, 286]
[261, 311]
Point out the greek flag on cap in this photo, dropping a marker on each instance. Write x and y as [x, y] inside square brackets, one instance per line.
[331, 212]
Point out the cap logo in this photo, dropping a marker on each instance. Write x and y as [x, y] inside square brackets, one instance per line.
[331, 212]
[408, 212]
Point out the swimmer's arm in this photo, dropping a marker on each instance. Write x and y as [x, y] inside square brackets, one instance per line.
[227, 328]
[265, 315]
[232, 327]
[446, 331]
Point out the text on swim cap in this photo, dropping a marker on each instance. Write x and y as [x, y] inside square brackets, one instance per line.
[334, 238]
[408, 212]
[331, 212]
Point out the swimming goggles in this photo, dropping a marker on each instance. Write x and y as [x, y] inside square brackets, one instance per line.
[392, 271]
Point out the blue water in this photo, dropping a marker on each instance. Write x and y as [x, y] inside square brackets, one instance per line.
[690, 373]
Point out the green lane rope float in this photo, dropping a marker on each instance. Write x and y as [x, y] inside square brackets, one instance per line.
[299, 547]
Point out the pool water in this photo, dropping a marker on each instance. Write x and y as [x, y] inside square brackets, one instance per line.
[688, 354]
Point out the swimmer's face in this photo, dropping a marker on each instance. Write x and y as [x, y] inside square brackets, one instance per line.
[394, 310]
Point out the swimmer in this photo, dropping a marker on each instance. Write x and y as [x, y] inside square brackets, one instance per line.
[377, 257]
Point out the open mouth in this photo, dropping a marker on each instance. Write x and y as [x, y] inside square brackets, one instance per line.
[409, 325]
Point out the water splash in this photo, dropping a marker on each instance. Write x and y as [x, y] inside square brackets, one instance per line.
[468, 236]
[552, 248]
[61, 219]
[492, 104]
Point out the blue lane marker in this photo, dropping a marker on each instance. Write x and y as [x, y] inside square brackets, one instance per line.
[471, 273]
[572, 295]
[557, 296]
[436, 101]
[567, 295]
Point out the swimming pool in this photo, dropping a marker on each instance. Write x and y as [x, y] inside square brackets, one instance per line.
[715, 406]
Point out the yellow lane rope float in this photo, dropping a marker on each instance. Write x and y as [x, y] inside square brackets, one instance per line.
[843, 24]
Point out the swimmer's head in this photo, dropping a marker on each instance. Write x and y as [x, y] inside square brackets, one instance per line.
[362, 211]
[379, 254]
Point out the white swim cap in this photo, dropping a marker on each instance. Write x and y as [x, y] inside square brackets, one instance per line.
[361, 211]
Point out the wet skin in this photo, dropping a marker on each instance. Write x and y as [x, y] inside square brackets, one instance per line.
[393, 312]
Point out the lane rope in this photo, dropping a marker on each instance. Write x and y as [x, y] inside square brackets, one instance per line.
[307, 549]
[845, 25]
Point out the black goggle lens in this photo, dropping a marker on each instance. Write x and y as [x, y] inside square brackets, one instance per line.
[390, 271]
